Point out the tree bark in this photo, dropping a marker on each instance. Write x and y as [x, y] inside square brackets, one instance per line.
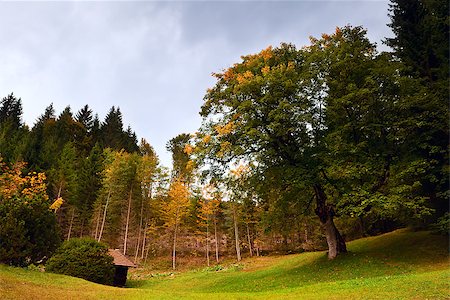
[174, 253]
[82, 227]
[127, 224]
[217, 242]
[249, 241]
[236, 234]
[104, 218]
[147, 249]
[71, 224]
[207, 242]
[325, 212]
[144, 240]
[140, 231]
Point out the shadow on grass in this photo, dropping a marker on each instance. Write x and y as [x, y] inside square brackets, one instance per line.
[399, 252]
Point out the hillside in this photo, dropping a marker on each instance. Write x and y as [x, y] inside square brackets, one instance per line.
[398, 265]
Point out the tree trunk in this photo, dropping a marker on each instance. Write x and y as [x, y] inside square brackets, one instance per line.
[97, 225]
[104, 217]
[249, 241]
[140, 230]
[144, 240]
[236, 234]
[128, 221]
[147, 250]
[174, 253]
[82, 228]
[361, 223]
[325, 212]
[207, 242]
[138, 246]
[71, 223]
[217, 242]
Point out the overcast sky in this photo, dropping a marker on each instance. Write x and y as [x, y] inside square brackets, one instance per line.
[152, 59]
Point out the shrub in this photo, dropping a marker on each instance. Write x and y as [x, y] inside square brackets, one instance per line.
[442, 226]
[84, 258]
[28, 231]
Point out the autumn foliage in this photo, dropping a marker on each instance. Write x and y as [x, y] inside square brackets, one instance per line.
[28, 231]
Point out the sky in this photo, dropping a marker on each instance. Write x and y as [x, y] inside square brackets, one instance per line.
[154, 60]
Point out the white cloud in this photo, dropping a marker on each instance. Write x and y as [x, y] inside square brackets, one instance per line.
[153, 59]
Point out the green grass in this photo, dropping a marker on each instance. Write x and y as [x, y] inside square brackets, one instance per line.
[398, 265]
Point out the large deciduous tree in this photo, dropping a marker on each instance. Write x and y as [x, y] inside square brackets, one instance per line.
[319, 123]
[262, 110]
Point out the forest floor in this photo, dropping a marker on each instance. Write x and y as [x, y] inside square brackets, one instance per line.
[399, 265]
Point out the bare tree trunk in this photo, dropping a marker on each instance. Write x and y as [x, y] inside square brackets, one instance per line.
[97, 225]
[104, 217]
[306, 232]
[59, 195]
[71, 223]
[249, 241]
[138, 246]
[217, 242]
[207, 241]
[128, 221]
[236, 234]
[59, 191]
[174, 246]
[146, 252]
[140, 230]
[144, 240]
[82, 228]
[325, 212]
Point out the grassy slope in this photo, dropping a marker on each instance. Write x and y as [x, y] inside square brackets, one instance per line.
[397, 265]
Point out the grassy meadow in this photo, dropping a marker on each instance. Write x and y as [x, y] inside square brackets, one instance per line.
[399, 265]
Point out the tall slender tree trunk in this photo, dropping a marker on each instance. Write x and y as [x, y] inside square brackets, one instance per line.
[325, 212]
[174, 252]
[147, 250]
[207, 242]
[361, 223]
[249, 240]
[82, 228]
[104, 217]
[306, 233]
[97, 225]
[217, 242]
[128, 222]
[138, 246]
[59, 191]
[56, 211]
[140, 230]
[71, 223]
[144, 239]
[236, 234]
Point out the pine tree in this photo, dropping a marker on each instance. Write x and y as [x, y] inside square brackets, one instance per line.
[421, 39]
[112, 130]
[90, 178]
[13, 133]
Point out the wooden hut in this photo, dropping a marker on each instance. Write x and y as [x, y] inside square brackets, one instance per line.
[121, 263]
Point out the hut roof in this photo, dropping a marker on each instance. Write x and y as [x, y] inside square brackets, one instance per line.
[120, 259]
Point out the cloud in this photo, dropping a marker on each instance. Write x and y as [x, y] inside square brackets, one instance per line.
[153, 59]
